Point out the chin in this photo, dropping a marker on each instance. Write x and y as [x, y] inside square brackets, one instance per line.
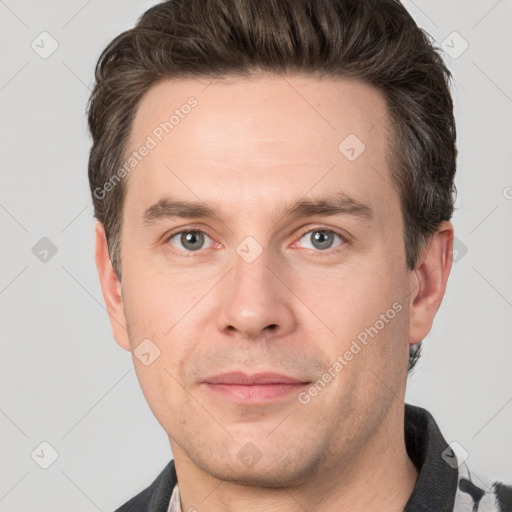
[265, 473]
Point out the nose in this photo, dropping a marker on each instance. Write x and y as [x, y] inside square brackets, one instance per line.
[254, 302]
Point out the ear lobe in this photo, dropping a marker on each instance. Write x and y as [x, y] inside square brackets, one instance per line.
[111, 288]
[428, 282]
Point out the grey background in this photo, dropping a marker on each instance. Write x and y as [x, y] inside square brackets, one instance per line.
[63, 378]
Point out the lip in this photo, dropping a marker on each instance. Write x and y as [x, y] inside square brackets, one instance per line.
[253, 389]
[243, 379]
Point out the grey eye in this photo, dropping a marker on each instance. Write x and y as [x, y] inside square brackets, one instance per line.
[320, 239]
[189, 240]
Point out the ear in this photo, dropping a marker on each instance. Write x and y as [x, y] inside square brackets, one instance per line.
[428, 282]
[111, 288]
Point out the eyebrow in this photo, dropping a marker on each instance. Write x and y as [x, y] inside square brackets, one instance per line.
[341, 204]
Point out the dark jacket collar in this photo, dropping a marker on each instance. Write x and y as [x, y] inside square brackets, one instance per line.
[437, 481]
[156, 497]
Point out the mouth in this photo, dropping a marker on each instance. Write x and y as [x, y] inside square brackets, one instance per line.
[256, 388]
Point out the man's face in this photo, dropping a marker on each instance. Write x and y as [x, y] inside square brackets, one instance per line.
[254, 289]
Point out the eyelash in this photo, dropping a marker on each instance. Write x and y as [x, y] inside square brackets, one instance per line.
[189, 254]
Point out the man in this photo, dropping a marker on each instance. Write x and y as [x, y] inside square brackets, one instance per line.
[273, 183]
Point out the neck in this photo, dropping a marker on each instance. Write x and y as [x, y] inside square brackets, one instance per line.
[379, 477]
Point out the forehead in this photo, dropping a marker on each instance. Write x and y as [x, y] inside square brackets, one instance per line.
[274, 135]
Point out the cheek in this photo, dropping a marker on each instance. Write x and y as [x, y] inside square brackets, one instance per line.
[161, 313]
[163, 393]
[350, 298]
[365, 309]
[155, 301]
[156, 310]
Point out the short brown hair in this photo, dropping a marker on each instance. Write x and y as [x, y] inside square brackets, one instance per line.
[375, 41]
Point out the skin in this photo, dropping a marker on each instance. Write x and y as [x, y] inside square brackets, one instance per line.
[250, 147]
